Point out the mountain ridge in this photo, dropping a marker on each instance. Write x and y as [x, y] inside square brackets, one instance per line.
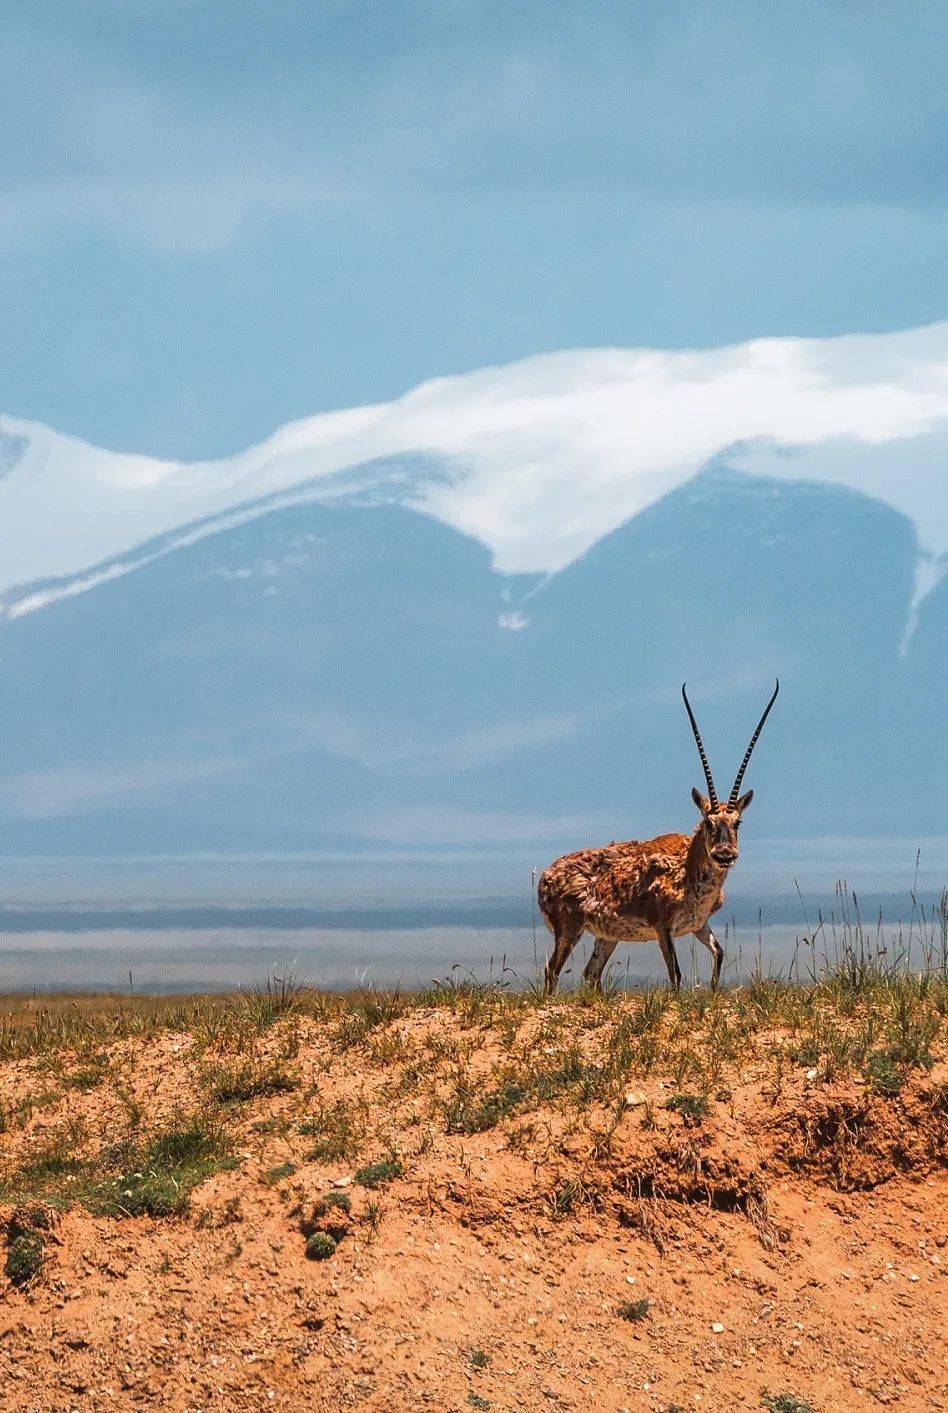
[328, 671]
[464, 617]
[537, 459]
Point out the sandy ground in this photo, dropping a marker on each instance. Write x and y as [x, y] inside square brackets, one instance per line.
[789, 1243]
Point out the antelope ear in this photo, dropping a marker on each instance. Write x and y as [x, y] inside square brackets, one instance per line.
[703, 803]
[744, 801]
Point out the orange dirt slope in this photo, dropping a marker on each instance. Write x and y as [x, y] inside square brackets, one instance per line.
[565, 1205]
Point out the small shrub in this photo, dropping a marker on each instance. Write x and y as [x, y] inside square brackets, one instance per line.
[149, 1194]
[785, 1403]
[25, 1256]
[328, 1214]
[469, 1112]
[45, 1170]
[692, 1107]
[808, 1053]
[633, 1310]
[278, 996]
[480, 1359]
[26, 1244]
[86, 1078]
[157, 1179]
[367, 1010]
[248, 1079]
[339, 1129]
[475, 1400]
[566, 1197]
[379, 1173]
[571, 1076]
[185, 1145]
[911, 1032]
[50, 1164]
[320, 1246]
[278, 1174]
[882, 1074]
[15, 1115]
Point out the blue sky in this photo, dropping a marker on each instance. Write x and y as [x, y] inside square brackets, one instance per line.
[217, 217]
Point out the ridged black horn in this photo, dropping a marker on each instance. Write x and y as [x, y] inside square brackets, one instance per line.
[760, 726]
[712, 796]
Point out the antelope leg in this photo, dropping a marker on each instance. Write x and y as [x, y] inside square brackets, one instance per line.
[667, 944]
[598, 962]
[708, 939]
[564, 940]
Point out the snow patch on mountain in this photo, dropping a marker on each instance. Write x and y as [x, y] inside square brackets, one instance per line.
[546, 455]
[909, 473]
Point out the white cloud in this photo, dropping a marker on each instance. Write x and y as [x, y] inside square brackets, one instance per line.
[64, 790]
[405, 753]
[94, 144]
[831, 110]
[514, 622]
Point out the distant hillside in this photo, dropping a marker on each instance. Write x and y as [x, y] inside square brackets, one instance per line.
[324, 674]
[463, 617]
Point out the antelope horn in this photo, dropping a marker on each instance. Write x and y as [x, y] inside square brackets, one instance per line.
[760, 726]
[712, 796]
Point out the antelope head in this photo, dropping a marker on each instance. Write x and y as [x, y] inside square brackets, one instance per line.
[720, 823]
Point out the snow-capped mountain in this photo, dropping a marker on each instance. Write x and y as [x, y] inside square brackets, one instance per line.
[465, 615]
[545, 456]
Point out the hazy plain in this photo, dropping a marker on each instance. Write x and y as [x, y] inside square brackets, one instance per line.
[214, 923]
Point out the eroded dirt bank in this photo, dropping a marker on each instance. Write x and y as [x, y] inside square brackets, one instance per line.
[479, 1201]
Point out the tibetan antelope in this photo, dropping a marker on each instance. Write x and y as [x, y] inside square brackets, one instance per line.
[648, 890]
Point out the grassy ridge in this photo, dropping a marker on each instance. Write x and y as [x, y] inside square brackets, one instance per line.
[84, 1125]
[852, 1011]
